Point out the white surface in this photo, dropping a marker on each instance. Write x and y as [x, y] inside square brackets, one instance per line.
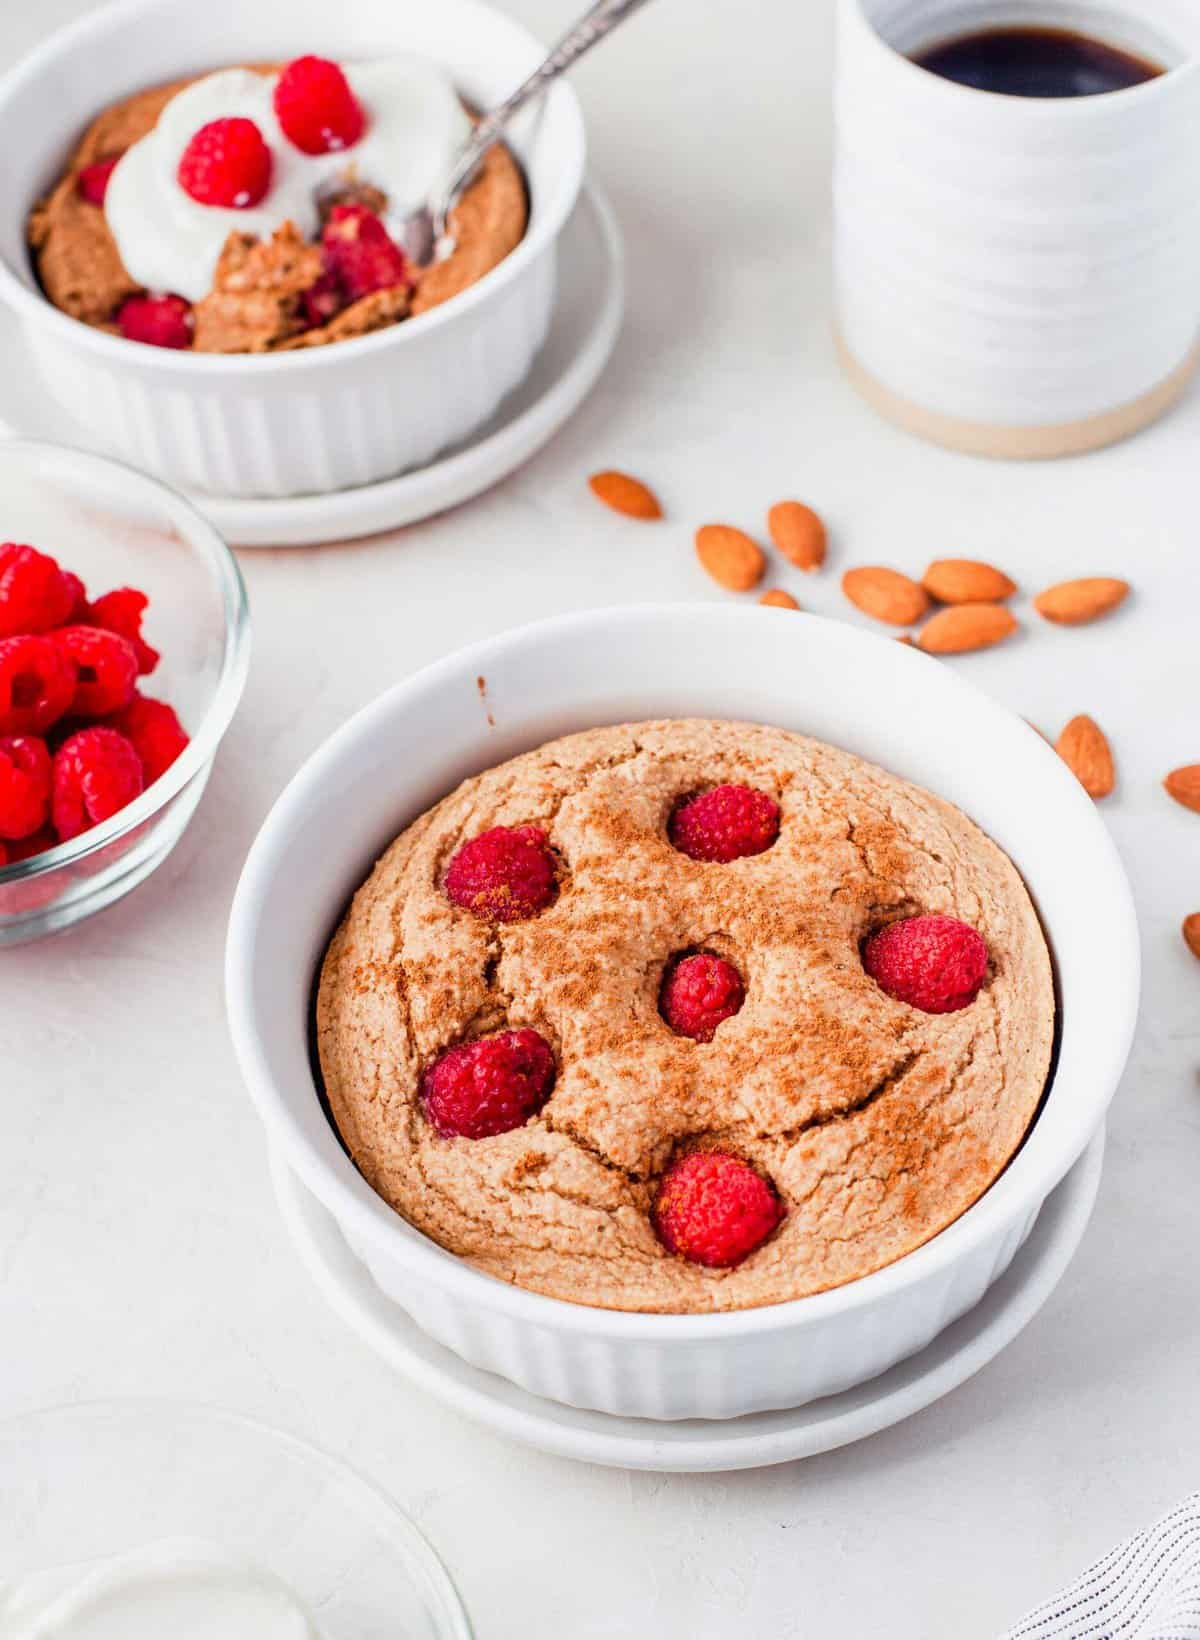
[583, 330]
[1015, 261]
[134, 1169]
[315, 418]
[694, 1446]
[414, 744]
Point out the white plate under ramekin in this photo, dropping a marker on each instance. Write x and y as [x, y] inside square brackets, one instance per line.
[312, 421]
[694, 1446]
[892, 705]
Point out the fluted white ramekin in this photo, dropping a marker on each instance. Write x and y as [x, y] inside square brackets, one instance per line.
[892, 705]
[1017, 276]
[316, 420]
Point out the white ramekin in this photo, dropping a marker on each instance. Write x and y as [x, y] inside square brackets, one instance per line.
[312, 421]
[1016, 276]
[892, 705]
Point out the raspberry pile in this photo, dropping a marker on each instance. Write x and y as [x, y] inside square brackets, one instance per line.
[78, 741]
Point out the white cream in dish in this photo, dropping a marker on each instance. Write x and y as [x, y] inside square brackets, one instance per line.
[179, 1589]
[169, 242]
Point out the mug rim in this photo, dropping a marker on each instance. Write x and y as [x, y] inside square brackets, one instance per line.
[1040, 108]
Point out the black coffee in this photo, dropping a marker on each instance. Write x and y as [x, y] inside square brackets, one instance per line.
[1036, 62]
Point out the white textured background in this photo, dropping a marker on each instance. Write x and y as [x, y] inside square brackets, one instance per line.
[139, 1246]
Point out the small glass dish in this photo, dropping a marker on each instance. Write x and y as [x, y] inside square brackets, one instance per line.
[85, 1482]
[115, 527]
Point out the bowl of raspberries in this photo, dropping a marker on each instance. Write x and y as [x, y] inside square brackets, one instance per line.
[124, 642]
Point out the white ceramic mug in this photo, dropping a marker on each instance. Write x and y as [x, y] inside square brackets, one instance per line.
[1017, 276]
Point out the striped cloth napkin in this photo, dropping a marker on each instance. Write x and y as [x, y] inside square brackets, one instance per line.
[1147, 1588]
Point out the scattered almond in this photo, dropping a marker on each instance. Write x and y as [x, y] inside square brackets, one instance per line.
[730, 556]
[777, 598]
[1191, 933]
[886, 594]
[966, 581]
[798, 533]
[1184, 785]
[1084, 748]
[1071, 603]
[961, 628]
[626, 495]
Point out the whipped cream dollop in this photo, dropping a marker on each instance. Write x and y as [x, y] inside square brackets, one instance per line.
[168, 241]
[179, 1589]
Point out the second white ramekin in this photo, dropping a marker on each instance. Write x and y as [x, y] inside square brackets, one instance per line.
[889, 704]
[313, 421]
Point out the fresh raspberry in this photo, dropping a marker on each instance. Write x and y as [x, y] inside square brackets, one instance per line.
[79, 598]
[699, 993]
[316, 108]
[96, 773]
[725, 823]
[106, 669]
[35, 595]
[156, 734]
[92, 181]
[25, 848]
[361, 254]
[121, 612]
[934, 963]
[488, 1086]
[226, 163]
[159, 321]
[714, 1209]
[503, 875]
[37, 685]
[24, 786]
[323, 301]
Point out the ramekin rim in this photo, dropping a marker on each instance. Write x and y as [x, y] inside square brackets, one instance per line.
[351, 1199]
[227, 691]
[542, 231]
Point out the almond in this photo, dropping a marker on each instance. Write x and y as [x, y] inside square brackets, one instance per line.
[960, 628]
[1086, 752]
[966, 581]
[625, 495]
[777, 598]
[798, 533]
[1184, 785]
[730, 556]
[1191, 933]
[886, 594]
[1071, 603]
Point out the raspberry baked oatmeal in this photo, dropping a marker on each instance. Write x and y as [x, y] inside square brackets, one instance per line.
[248, 210]
[686, 1016]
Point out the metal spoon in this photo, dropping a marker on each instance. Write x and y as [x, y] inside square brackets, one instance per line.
[424, 231]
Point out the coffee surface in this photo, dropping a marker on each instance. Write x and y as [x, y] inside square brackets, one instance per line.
[1036, 62]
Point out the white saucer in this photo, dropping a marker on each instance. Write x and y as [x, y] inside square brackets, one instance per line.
[698, 1446]
[582, 335]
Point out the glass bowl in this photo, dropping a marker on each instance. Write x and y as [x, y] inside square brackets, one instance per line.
[116, 528]
[104, 1478]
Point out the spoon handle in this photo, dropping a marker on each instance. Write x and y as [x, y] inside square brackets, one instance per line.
[598, 21]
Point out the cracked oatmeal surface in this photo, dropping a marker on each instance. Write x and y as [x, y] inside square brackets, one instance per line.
[878, 1124]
